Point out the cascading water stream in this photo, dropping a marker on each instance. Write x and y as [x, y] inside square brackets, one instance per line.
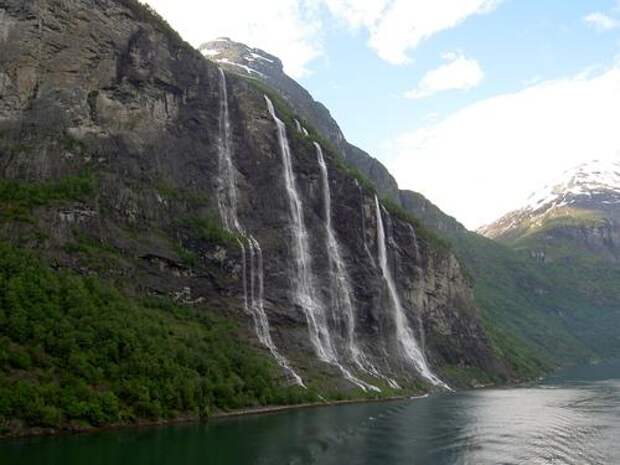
[404, 334]
[341, 291]
[305, 294]
[417, 260]
[227, 203]
[227, 189]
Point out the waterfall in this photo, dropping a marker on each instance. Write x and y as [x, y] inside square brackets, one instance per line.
[257, 302]
[305, 294]
[227, 189]
[417, 260]
[341, 291]
[298, 126]
[403, 332]
[227, 203]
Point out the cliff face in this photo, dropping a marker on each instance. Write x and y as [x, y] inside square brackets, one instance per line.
[267, 68]
[100, 92]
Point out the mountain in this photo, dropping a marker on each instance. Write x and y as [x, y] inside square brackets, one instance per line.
[266, 68]
[568, 234]
[173, 244]
[535, 315]
[515, 326]
[577, 215]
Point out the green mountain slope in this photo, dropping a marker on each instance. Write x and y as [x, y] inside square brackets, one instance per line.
[566, 312]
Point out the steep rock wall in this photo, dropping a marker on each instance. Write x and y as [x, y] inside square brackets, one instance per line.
[103, 90]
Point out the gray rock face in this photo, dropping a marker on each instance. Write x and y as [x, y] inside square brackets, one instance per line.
[255, 63]
[103, 87]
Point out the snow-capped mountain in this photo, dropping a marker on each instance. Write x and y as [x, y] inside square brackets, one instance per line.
[595, 181]
[245, 60]
[583, 204]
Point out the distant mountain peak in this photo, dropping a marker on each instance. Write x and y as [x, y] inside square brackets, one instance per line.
[584, 181]
[590, 186]
[246, 60]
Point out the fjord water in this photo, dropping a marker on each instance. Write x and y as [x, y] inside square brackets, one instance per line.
[572, 418]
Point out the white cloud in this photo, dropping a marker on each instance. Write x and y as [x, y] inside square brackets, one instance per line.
[398, 26]
[459, 73]
[289, 29]
[293, 29]
[485, 159]
[601, 21]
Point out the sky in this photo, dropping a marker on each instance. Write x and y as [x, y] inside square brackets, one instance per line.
[473, 103]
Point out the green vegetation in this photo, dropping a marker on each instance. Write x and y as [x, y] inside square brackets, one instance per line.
[523, 307]
[75, 351]
[459, 376]
[170, 192]
[86, 245]
[18, 198]
[424, 233]
[209, 228]
[148, 15]
[529, 232]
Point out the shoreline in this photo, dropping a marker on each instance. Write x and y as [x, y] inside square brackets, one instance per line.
[39, 432]
[71, 430]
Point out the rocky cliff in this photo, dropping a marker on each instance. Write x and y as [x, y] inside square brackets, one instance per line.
[264, 67]
[141, 162]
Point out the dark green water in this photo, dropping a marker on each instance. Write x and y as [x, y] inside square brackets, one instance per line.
[572, 418]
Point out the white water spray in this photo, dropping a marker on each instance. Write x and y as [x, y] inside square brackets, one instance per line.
[342, 293]
[304, 291]
[403, 332]
[227, 203]
[227, 189]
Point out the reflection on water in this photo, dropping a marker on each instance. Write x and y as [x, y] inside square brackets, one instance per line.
[572, 419]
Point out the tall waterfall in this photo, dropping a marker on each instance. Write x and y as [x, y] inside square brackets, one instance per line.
[416, 245]
[403, 331]
[227, 203]
[341, 291]
[227, 189]
[305, 293]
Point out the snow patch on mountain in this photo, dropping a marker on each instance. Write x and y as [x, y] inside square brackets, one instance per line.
[247, 69]
[209, 52]
[587, 179]
[595, 184]
[261, 57]
[251, 61]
